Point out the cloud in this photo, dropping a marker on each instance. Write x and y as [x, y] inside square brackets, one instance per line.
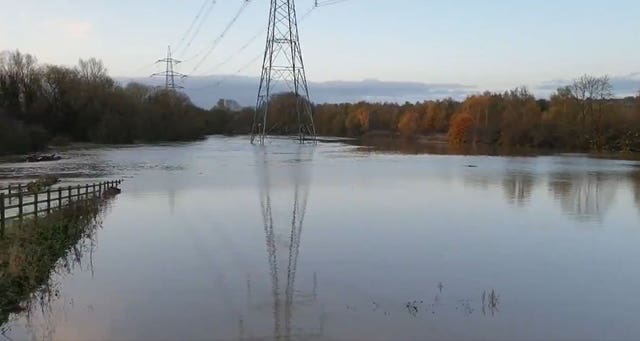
[625, 85]
[205, 91]
[73, 29]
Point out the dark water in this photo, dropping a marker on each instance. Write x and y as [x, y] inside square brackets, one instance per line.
[223, 240]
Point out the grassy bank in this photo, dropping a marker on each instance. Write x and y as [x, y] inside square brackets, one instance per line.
[32, 250]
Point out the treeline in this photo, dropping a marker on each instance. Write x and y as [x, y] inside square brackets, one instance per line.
[47, 104]
[581, 116]
[43, 104]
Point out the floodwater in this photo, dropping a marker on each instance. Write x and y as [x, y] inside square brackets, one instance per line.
[223, 240]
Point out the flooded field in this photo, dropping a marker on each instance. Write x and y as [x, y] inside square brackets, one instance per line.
[223, 240]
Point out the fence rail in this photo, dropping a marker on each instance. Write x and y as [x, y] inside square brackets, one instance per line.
[17, 203]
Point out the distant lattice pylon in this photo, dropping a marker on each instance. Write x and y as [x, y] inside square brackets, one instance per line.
[283, 66]
[169, 74]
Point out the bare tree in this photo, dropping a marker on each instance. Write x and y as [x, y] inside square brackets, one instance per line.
[591, 94]
[93, 71]
[19, 77]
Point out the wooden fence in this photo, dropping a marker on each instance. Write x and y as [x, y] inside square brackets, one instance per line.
[16, 202]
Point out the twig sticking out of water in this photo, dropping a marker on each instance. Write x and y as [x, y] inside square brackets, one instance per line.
[414, 307]
[490, 302]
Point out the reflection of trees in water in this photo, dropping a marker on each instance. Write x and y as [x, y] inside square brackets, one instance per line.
[402, 146]
[584, 196]
[435, 144]
[635, 180]
[517, 187]
[283, 303]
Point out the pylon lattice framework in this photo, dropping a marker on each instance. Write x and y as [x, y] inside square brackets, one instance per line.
[283, 63]
[170, 74]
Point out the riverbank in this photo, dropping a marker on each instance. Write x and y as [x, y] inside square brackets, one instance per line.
[438, 144]
[31, 250]
[379, 141]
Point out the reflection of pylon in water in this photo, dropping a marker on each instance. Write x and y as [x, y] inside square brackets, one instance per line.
[282, 306]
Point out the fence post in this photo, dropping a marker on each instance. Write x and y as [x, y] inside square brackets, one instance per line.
[69, 196]
[93, 190]
[60, 198]
[100, 189]
[35, 204]
[20, 202]
[2, 214]
[78, 194]
[48, 200]
[86, 191]
[9, 193]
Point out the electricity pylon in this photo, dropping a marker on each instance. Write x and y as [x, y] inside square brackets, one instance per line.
[283, 64]
[169, 74]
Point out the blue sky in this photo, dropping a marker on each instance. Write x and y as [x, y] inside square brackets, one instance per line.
[492, 44]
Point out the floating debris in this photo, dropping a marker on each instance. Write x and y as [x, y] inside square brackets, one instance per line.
[42, 183]
[42, 158]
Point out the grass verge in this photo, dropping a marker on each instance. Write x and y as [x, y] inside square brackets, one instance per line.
[32, 250]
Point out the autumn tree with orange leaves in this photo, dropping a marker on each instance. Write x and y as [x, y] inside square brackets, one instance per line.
[358, 121]
[409, 124]
[478, 107]
[461, 129]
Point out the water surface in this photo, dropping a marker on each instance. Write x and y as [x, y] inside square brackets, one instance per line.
[223, 240]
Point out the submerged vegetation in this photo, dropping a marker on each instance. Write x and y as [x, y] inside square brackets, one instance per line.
[34, 249]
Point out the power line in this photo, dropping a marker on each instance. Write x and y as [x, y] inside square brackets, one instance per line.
[144, 67]
[244, 47]
[193, 23]
[217, 41]
[219, 82]
[199, 27]
[237, 52]
[328, 2]
[251, 40]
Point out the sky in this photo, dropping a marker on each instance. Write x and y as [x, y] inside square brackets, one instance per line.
[490, 44]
